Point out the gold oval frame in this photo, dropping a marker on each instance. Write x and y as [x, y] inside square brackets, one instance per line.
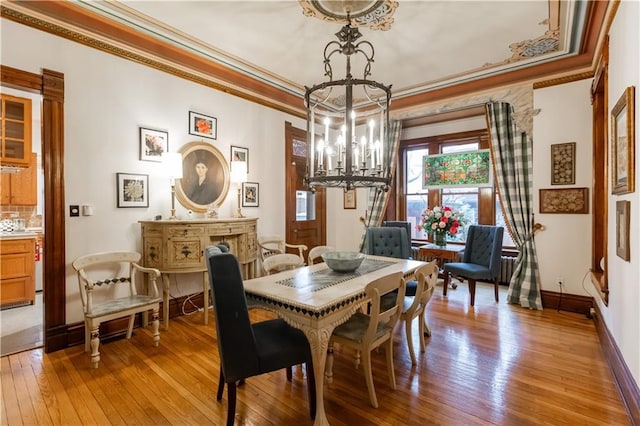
[218, 170]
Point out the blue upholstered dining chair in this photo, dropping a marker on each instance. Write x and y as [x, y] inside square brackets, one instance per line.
[249, 349]
[390, 241]
[481, 259]
[400, 224]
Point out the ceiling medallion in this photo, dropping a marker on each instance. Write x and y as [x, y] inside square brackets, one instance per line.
[375, 14]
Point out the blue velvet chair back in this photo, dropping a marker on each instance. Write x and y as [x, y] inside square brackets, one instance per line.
[387, 241]
[236, 342]
[400, 224]
[484, 247]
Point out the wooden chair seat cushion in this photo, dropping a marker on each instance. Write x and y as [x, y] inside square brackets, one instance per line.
[120, 305]
[356, 326]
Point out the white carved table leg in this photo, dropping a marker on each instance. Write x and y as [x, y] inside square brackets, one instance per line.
[319, 342]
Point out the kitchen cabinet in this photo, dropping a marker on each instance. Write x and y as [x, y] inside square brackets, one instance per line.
[15, 137]
[17, 271]
[20, 189]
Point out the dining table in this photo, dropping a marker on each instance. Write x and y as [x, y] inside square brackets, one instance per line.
[316, 299]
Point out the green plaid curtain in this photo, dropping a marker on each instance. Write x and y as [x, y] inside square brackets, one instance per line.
[513, 162]
[378, 200]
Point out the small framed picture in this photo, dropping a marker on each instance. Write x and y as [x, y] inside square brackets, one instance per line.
[133, 190]
[563, 163]
[350, 200]
[203, 125]
[622, 229]
[623, 139]
[569, 200]
[153, 143]
[250, 194]
[239, 153]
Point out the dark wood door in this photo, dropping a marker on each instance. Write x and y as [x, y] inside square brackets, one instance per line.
[305, 210]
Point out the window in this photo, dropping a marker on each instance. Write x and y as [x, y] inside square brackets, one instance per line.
[479, 205]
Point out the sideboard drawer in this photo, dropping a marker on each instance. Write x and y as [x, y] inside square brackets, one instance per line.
[185, 231]
[227, 229]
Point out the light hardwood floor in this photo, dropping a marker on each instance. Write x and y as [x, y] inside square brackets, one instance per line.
[493, 364]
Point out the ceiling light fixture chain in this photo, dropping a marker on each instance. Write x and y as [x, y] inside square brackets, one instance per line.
[336, 157]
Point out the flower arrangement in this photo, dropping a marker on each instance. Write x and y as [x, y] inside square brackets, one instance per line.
[441, 221]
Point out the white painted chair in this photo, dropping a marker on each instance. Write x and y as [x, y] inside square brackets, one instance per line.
[104, 298]
[364, 332]
[415, 306]
[281, 262]
[270, 245]
[317, 252]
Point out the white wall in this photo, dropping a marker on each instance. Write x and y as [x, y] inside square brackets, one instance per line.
[106, 100]
[565, 116]
[622, 316]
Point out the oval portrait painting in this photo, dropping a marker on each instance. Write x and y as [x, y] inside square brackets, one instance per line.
[205, 177]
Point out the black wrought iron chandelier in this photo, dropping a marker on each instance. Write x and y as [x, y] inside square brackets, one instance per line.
[348, 122]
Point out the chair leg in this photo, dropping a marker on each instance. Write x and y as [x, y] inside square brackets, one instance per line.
[390, 370]
[311, 389]
[289, 374]
[220, 386]
[366, 358]
[472, 290]
[328, 369]
[95, 344]
[231, 403]
[445, 284]
[132, 317]
[423, 331]
[87, 336]
[407, 328]
[495, 286]
[155, 325]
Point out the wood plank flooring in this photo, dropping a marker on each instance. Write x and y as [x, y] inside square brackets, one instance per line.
[493, 364]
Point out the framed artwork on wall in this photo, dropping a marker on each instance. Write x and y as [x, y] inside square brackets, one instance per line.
[622, 229]
[153, 143]
[250, 194]
[563, 163]
[205, 177]
[623, 143]
[569, 200]
[203, 125]
[239, 153]
[349, 200]
[132, 189]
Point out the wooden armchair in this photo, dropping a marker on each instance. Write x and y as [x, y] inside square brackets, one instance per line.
[270, 245]
[104, 298]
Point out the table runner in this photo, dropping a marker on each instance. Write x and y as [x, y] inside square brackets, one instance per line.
[325, 278]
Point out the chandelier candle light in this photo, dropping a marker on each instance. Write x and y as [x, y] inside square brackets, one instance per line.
[336, 109]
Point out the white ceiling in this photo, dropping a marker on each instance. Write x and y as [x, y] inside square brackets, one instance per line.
[430, 44]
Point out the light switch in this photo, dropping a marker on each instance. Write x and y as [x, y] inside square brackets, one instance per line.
[87, 210]
[74, 210]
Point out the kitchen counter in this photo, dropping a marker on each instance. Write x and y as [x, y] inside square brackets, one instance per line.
[17, 235]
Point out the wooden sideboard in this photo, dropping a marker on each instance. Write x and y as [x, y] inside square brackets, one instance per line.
[177, 246]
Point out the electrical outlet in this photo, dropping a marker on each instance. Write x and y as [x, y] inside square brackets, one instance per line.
[560, 281]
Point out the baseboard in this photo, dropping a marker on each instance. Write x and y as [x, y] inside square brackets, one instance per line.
[566, 302]
[627, 386]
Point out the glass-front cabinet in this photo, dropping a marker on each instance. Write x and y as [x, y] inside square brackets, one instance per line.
[15, 140]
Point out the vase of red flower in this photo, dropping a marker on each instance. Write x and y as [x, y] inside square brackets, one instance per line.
[441, 222]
